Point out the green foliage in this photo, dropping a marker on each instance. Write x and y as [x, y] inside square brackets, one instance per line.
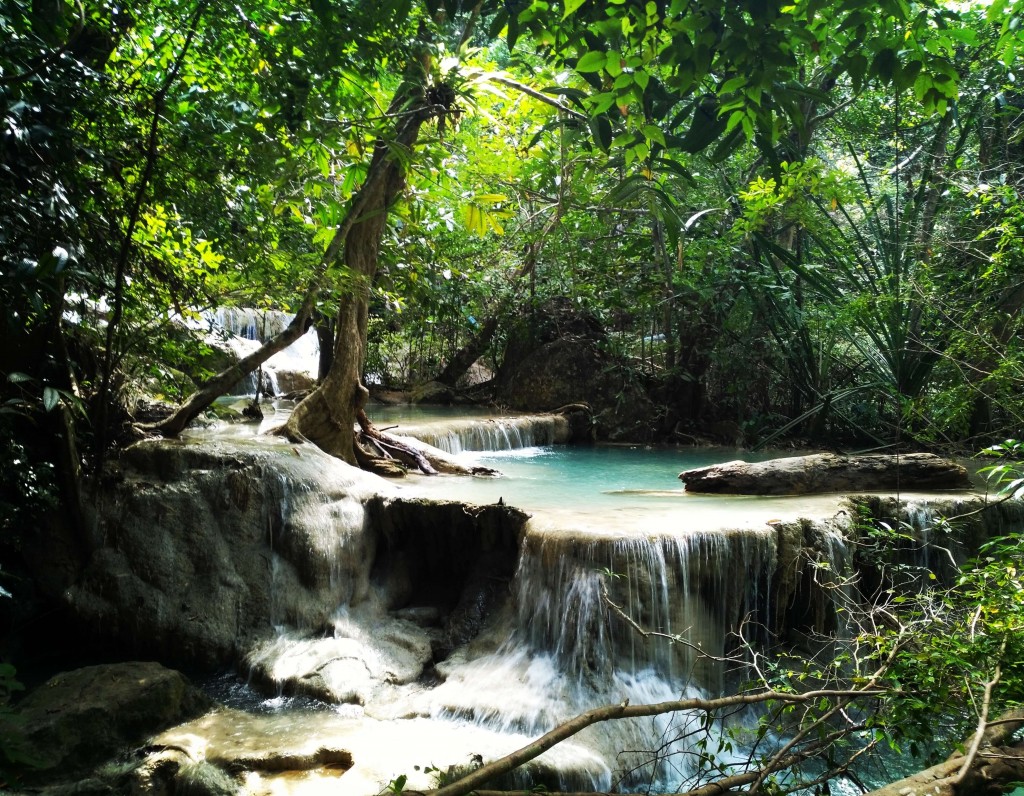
[27, 487]
[1007, 477]
[705, 73]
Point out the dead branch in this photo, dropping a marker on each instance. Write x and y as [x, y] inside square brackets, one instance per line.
[391, 446]
[675, 638]
[575, 725]
[979, 734]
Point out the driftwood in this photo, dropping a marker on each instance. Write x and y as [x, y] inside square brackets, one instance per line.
[828, 472]
[391, 448]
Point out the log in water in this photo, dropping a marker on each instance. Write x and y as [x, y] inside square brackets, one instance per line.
[828, 472]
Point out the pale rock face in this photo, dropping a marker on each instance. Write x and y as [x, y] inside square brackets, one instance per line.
[207, 554]
[199, 550]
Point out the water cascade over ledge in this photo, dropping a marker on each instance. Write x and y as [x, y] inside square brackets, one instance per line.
[441, 630]
[242, 331]
[490, 433]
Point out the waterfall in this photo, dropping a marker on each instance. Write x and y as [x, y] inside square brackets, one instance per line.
[588, 600]
[342, 588]
[574, 638]
[243, 330]
[490, 434]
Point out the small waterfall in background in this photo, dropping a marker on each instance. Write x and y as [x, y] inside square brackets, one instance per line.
[243, 330]
[491, 433]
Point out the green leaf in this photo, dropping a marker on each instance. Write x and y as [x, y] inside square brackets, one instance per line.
[732, 84]
[654, 133]
[50, 398]
[592, 62]
[884, 65]
[601, 131]
[571, 7]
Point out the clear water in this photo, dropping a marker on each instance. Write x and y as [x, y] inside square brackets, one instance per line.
[616, 488]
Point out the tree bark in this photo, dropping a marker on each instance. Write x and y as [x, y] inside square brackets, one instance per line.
[997, 764]
[327, 416]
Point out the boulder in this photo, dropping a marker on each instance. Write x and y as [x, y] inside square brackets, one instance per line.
[79, 719]
[567, 371]
[558, 355]
[828, 472]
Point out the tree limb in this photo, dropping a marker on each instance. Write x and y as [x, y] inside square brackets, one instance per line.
[538, 95]
[570, 728]
[979, 734]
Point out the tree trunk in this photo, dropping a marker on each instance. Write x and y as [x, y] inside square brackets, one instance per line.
[327, 416]
[828, 472]
[217, 386]
[474, 348]
[324, 326]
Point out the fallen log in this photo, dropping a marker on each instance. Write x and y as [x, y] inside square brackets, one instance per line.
[828, 472]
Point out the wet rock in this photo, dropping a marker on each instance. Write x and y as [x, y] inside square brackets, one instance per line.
[201, 549]
[171, 772]
[81, 718]
[484, 591]
[436, 546]
[277, 760]
[422, 615]
[828, 472]
[363, 655]
[229, 748]
[293, 381]
[478, 373]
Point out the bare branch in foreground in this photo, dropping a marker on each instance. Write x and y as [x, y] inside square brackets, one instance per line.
[570, 728]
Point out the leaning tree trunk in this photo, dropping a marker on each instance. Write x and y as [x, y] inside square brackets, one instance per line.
[328, 415]
[218, 385]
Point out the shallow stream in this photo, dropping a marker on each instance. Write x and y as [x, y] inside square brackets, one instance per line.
[603, 517]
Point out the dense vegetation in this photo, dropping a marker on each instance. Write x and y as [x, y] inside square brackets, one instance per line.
[770, 218]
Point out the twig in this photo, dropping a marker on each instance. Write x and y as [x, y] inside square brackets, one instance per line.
[537, 95]
[986, 703]
[676, 638]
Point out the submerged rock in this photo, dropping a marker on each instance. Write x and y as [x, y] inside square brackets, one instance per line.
[79, 719]
[828, 472]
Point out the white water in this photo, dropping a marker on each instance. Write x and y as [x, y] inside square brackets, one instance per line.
[610, 524]
[242, 331]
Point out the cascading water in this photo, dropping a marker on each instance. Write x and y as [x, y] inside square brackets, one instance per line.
[597, 619]
[490, 433]
[243, 330]
[618, 602]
